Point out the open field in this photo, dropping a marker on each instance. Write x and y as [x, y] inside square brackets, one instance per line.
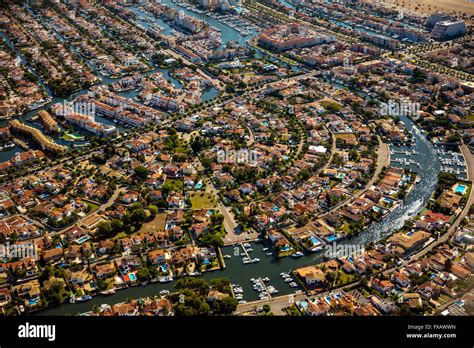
[157, 224]
[201, 200]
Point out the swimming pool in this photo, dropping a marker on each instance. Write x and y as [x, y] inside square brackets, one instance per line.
[303, 304]
[33, 301]
[409, 234]
[82, 239]
[331, 238]
[132, 277]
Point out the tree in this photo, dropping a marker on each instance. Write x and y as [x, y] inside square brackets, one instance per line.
[330, 277]
[153, 209]
[138, 216]
[141, 172]
[143, 274]
[116, 225]
[104, 229]
[447, 265]
[229, 305]
[266, 308]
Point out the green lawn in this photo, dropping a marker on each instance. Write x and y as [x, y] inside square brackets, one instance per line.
[91, 207]
[202, 200]
[344, 278]
[174, 184]
[120, 235]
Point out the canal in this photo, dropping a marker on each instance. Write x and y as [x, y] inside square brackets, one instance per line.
[7, 154]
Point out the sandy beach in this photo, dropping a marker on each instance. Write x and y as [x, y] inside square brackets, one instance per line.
[460, 8]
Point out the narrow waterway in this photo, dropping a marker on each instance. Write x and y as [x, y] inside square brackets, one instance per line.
[271, 267]
[5, 155]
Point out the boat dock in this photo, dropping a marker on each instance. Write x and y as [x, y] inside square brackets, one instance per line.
[20, 143]
[245, 251]
[265, 287]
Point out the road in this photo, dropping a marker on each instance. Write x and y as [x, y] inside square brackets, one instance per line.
[383, 160]
[233, 234]
[217, 84]
[278, 303]
[469, 158]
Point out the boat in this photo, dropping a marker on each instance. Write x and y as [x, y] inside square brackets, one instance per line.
[227, 256]
[164, 292]
[255, 260]
[288, 280]
[83, 298]
[144, 283]
[108, 292]
[264, 249]
[272, 290]
[269, 254]
[266, 279]
[242, 302]
[297, 254]
[246, 262]
[293, 285]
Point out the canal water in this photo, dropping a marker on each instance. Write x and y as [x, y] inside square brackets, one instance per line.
[7, 154]
[271, 267]
[268, 266]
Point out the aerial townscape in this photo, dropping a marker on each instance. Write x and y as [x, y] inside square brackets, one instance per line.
[237, 157]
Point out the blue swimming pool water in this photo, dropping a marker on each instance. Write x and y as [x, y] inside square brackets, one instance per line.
[132, 277]
[82, 239]
[331, 238]
[33, 301]
[303, 304]
[460, 189]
